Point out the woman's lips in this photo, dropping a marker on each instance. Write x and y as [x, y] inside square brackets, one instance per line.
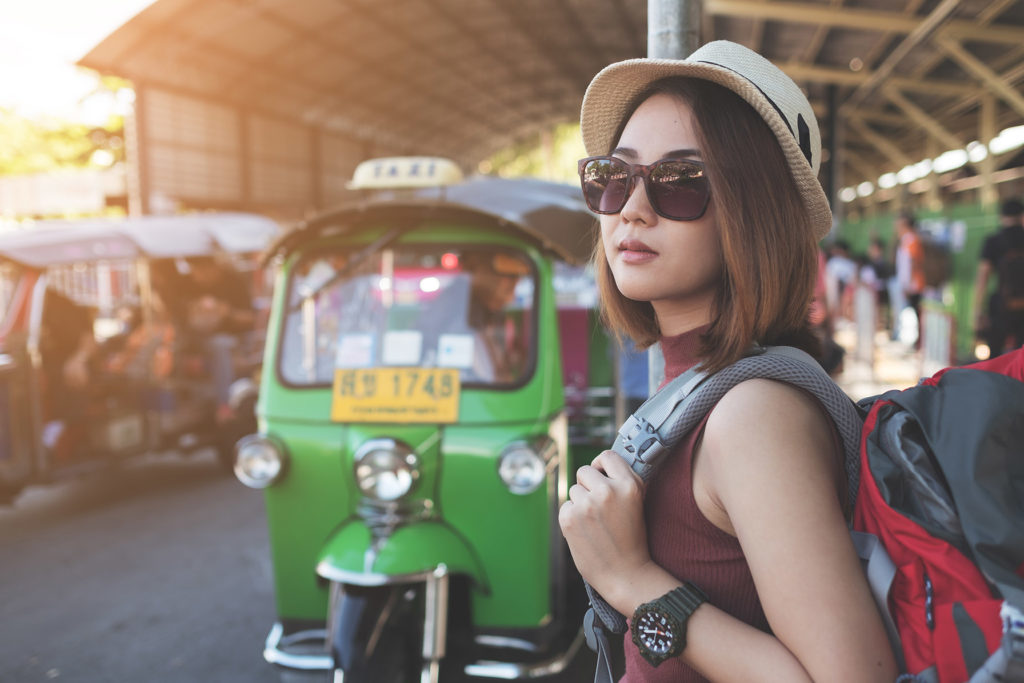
[635, 252]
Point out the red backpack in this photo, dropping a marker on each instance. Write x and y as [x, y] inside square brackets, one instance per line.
[942, 489]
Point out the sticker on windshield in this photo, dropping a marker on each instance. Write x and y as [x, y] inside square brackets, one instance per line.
[402, 347]
[354, 351]
[455, 351]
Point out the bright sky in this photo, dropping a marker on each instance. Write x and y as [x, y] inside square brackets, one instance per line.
[40, 40]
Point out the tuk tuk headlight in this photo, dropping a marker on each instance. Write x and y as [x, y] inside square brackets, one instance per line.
[259, 460]
[523, 467]
[386, 469]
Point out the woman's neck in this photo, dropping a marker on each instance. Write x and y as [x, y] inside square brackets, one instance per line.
[682, 351]
[677, 317]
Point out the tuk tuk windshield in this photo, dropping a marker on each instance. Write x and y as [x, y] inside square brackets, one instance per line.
[411, 306]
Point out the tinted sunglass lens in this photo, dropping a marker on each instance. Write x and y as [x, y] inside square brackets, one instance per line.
[605, 183]
[679, 190]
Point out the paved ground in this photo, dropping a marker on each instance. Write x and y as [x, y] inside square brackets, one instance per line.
[893, 365]
[155, 571]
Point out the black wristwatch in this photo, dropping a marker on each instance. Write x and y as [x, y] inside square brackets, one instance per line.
[659, 627]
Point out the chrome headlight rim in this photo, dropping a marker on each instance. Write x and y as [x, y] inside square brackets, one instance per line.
[271, 446]
[389, 456]
[534, 457]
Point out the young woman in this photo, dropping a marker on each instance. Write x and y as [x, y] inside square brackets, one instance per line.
[734, 561]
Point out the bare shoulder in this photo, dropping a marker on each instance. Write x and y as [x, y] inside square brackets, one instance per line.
[762, 417]
[761, 403]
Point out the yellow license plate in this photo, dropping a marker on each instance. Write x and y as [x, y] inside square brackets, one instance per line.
[396, 395]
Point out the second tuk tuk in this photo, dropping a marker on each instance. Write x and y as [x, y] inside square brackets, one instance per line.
[434, 374]
[93, 367]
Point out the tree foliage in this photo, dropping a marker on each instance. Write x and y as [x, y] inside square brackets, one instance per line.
[39, 146]
[550, 155]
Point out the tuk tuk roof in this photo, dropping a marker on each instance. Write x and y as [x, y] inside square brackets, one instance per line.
[50, 243]
[551, 215]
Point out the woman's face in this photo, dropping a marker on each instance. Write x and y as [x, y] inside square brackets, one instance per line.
[675, 265]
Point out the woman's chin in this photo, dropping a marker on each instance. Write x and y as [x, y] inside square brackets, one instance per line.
[636, 293]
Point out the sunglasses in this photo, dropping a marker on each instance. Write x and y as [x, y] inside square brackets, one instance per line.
[676, 188]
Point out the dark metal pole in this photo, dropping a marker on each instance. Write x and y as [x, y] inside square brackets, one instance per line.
[831, 178]
[673, 28]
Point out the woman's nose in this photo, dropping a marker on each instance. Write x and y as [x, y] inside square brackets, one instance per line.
[638, 207]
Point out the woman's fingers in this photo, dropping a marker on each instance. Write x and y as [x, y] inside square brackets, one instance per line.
[577, 492]
[610, 477]
[612, 464]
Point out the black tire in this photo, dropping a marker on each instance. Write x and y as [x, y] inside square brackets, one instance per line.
[394, 615]
[226, 455]
[243, 424]
[8, 493]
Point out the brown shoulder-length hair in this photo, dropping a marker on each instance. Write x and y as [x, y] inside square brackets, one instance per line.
[768, 244]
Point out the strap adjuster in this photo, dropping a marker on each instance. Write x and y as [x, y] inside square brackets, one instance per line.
[1013, 621]
[640, 442]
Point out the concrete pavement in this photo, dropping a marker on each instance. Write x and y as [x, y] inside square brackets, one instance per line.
[893, 365]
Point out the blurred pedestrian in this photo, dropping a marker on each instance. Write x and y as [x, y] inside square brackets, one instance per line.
[875, 272]
[909, 274]
[211, 306]
[999, 321]
[822, 320]
[841, 276]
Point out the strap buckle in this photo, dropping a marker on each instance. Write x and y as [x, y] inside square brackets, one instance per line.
[639, 442]
[1013, 620]
[1013, 632]
[597, 640]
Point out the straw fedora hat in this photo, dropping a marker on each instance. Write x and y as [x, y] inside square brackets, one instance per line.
[769, 91]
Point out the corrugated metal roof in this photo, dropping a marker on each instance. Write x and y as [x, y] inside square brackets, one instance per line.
[464, 78]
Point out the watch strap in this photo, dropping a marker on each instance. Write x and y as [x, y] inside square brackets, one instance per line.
[683, 600]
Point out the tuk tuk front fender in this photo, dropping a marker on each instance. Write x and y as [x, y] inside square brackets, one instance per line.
[407, 555]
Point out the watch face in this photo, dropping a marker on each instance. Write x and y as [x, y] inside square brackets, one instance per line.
[656, 632]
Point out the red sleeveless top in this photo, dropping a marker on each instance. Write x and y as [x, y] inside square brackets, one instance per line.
[684, 542]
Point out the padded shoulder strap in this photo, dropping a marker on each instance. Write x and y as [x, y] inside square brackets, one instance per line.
[664, 419]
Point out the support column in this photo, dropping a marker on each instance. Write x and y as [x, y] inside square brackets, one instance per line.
[673, 32]
[316, 170]
[245, 160]
[831, 178]
[673, 28]
[988, 195]
[932, 196]
[137, 180]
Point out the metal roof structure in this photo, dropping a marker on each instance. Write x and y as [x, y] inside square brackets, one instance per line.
[344, 80]
[551, 215]
[59, 242]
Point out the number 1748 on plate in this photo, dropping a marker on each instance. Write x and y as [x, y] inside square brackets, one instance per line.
[395, 395]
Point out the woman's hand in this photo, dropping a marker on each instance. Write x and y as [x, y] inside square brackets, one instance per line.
[603, 522]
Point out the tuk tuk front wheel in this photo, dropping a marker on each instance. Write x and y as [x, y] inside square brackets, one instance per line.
[8, 493]
[377, 634]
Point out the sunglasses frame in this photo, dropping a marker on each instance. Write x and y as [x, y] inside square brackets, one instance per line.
[643, 171]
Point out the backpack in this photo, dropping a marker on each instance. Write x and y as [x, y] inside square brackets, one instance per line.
[1011, 279]
[942, 491]
[936, 481]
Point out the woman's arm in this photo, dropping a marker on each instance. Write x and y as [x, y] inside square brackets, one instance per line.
[765, 473]
[770, 467]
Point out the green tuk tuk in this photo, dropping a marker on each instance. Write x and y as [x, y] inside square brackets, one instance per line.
[91, 368]
[434, 374]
